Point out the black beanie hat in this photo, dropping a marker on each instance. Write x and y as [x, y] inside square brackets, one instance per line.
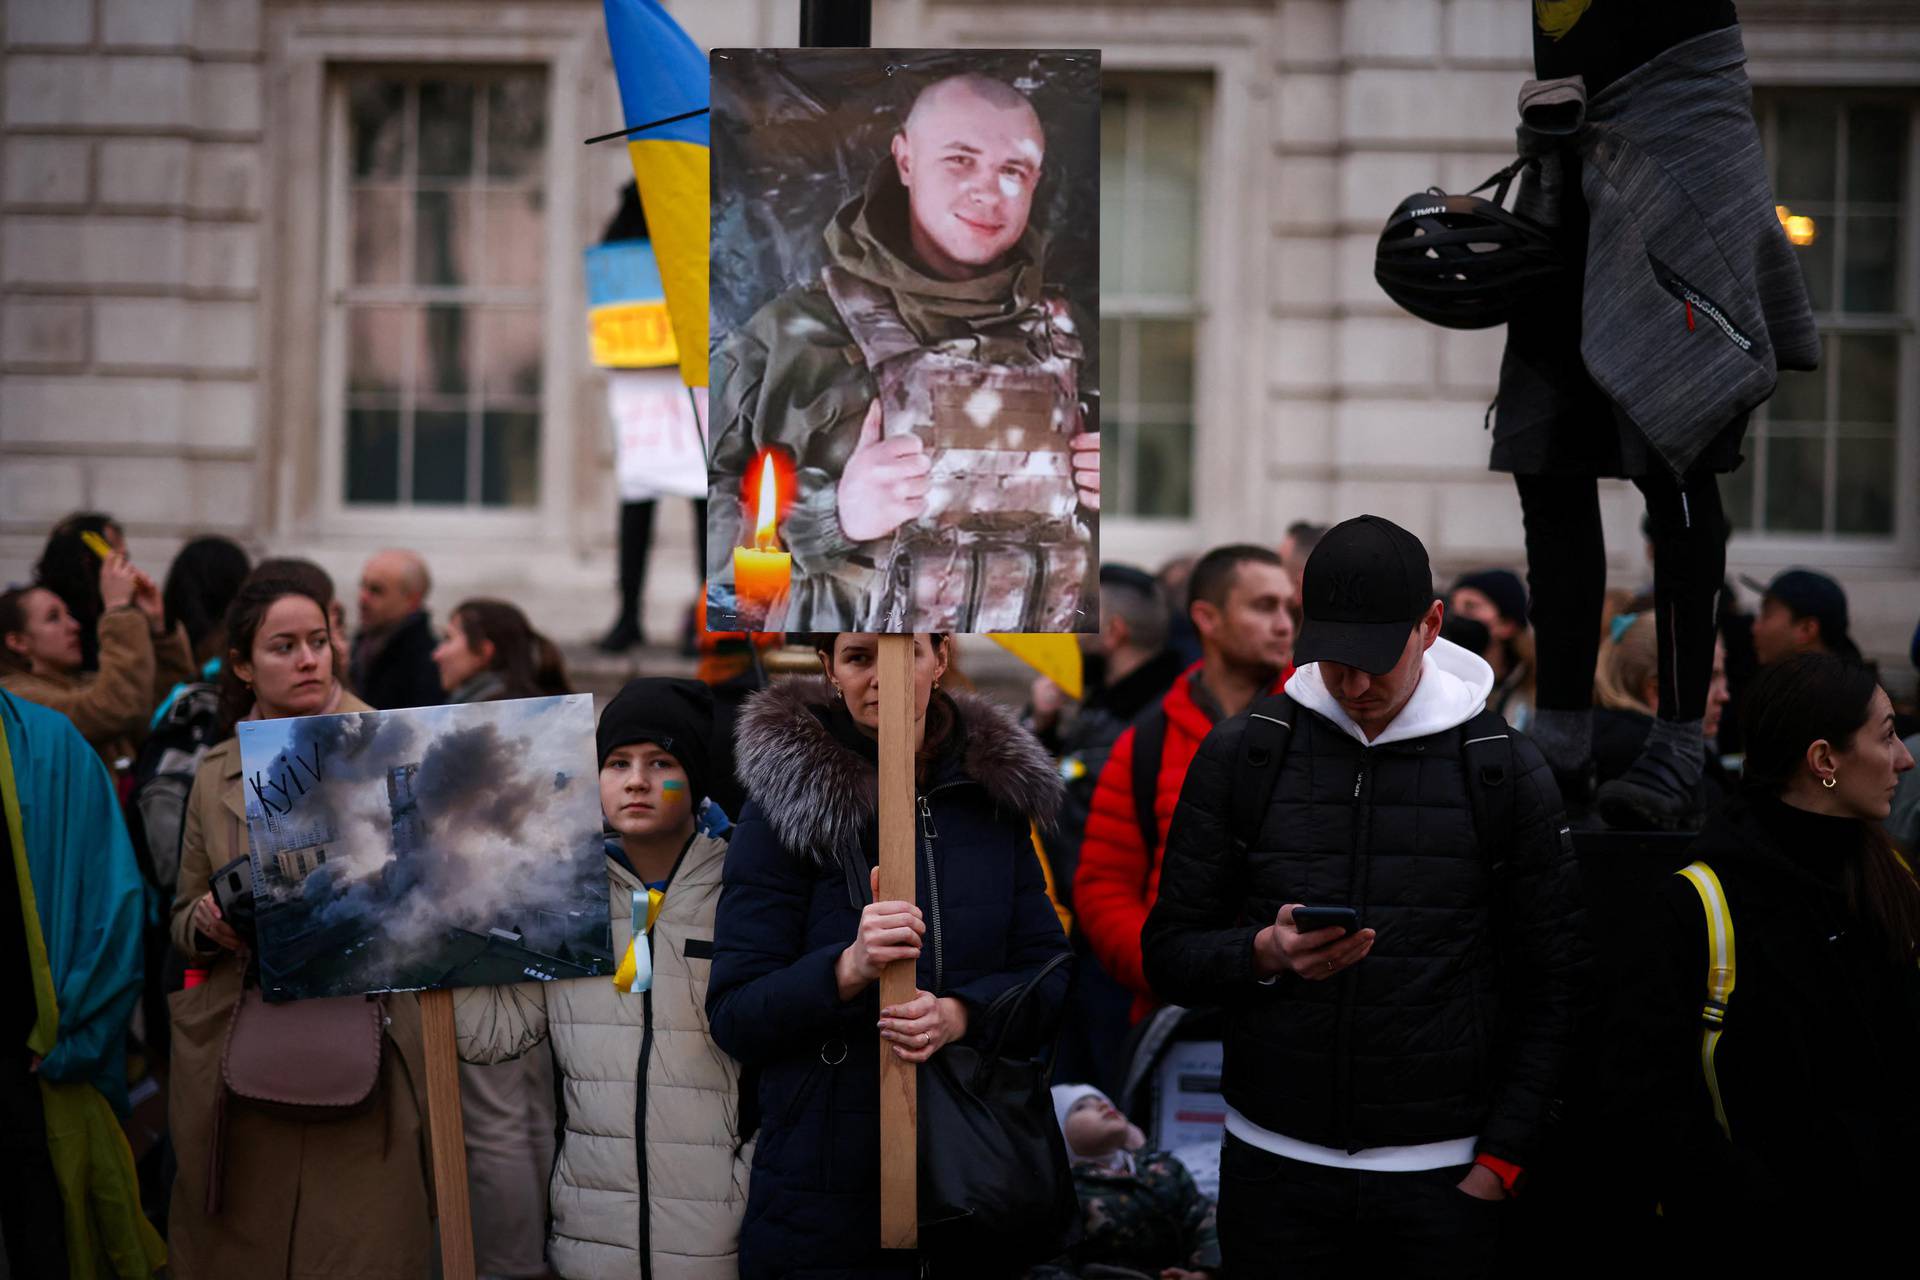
[675, 715]
[1503, 587]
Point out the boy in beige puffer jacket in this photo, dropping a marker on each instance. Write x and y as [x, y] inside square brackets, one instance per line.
[651, 1179]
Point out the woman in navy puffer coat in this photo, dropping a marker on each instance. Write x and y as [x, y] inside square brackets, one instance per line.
[793, 992]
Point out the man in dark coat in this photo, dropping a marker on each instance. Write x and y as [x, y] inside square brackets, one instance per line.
[1137, 671]
[1385, 1088]
[393, 653]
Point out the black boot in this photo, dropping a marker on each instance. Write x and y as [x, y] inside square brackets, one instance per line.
[624, 635]
[1660, 791]
[1565, 738]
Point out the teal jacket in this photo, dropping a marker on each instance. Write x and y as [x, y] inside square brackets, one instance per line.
[62, 810]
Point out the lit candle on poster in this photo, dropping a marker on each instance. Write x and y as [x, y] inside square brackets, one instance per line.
[762, 573]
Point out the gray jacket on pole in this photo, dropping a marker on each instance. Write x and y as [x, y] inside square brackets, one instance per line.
[1692, 301]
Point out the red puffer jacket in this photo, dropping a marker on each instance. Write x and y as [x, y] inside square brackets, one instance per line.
[1118, 877]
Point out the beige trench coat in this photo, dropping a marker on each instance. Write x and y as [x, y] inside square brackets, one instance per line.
[345, 1199]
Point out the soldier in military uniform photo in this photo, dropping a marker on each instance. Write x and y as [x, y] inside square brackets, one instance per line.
[928, 382]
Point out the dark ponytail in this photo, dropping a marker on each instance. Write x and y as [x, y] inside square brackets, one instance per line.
[1790, 706]
[201, 583]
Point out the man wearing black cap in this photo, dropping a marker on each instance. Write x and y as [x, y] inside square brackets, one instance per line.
[1800, 612]
[1387, 1082]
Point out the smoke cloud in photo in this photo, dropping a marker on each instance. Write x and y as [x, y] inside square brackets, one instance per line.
[488, 835]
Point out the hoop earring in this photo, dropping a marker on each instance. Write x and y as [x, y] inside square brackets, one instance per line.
[1828, 783]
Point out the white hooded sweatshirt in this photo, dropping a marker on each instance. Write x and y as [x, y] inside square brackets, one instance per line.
[1454, 686]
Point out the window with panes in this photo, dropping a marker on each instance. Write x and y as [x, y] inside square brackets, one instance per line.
[438, 287]
[1152, 158]
[1825, 453]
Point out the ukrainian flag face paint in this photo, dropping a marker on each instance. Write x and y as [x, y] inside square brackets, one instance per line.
[643, 790]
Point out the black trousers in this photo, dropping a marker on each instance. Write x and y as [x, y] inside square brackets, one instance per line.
[1281, 1217]
[636, 543]
[1567, 576]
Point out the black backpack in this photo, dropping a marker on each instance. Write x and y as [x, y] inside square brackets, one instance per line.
[1486, 754]
[163, 778]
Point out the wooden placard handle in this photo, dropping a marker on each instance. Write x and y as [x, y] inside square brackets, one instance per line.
[899, 1107]
[447, 1136]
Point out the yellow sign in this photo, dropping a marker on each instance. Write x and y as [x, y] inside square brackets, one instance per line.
[631, 335]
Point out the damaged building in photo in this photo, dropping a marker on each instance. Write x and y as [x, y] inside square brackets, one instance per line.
[442, 847]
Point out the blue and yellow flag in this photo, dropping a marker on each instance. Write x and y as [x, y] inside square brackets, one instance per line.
[662, 74]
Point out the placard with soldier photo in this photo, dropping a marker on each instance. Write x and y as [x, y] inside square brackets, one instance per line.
[903, 291]
[434, 847]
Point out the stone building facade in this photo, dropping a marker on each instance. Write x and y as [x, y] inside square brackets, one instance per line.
[307, 272]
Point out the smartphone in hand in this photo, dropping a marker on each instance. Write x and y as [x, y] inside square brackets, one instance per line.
[1314, 919]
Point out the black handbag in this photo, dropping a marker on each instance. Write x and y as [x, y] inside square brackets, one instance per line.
[995, 1186]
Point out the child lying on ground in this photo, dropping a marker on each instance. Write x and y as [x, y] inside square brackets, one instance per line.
[1140, 1209]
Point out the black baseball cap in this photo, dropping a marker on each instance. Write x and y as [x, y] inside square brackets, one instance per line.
[1807, 594]
[1365, 586]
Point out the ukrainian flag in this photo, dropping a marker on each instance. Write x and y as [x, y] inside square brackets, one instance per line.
[662, 73]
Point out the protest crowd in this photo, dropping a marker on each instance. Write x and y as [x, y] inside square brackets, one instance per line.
[1350, 920]
[1160, 831]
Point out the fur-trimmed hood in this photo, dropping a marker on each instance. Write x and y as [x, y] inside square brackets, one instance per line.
[819, 796]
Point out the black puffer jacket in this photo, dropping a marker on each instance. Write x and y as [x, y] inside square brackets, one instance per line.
[1457, 1022]
[1817, 1060]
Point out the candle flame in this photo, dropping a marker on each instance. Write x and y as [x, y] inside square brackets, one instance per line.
[769, 507]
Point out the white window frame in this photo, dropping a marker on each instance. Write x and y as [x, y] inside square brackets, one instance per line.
[1778, 62]
[1233, 238]
[305, 467]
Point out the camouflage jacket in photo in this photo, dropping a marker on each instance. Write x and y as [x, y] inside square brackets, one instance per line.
[795, 377]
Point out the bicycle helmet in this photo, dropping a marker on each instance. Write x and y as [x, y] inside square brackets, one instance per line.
[1462, 261]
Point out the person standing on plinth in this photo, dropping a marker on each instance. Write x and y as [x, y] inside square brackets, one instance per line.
[1681, 300]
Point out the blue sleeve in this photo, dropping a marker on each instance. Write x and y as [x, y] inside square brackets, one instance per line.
[768, 994]
[1033, 938]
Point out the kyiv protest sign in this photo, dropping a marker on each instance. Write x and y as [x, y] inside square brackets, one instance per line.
[434, 847]
[903, 288]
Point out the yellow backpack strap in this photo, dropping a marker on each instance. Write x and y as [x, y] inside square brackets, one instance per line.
[1713, 1014]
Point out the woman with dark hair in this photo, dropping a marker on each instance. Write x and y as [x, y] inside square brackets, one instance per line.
[798, 949]
[318, 583]
[42, 658]
[1772, 1101]
[259, 1191]
[70, 569]
[201, 582]
[488, 650]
